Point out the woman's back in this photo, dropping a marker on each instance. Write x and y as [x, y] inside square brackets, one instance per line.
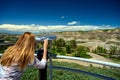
[10, 73]
[13, 72]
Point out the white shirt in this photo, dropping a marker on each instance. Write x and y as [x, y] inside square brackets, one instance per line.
[13, 72]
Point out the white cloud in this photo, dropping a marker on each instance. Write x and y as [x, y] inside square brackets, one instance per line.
[42, 29]
[72, 23]
[95, 28]
[62, 17]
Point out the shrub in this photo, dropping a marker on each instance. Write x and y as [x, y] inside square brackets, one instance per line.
[59, 49]
[99, 49]
[3, 48]
[118, 37]
[81, 51]
[95, 51]
[68, 48]
[60, 42]
[113, 50]
[73, 44]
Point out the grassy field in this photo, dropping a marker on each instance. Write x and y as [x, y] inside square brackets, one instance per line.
[32, 73]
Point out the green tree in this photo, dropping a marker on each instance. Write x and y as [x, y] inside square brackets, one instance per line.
[60, 42]
[81, 51]
[54, 42]
[60, 51]
[68, 48]
[73, 44]
[53, 46]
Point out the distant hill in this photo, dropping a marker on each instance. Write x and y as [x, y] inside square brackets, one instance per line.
[111, 34]
[90, 35]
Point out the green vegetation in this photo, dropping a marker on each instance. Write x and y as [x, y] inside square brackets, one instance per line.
[62, 47]
[113, 53]
[113, 50]
[72, 44]
[91, 37]
[70, 48]
[2, 49]
[81, 51]
[118, 37]
[114, 43]
[32, 73]
[60, 42]
[102, 38]
[105, 30]
[80, 42]
[6, 37]
[99, 49]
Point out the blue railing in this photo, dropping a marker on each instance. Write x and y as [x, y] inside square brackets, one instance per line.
[80, 71]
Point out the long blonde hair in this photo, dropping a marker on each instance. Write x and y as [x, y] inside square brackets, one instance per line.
[22, 52]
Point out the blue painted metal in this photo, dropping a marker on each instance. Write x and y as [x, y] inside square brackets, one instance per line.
[50, 68]
[84, 72]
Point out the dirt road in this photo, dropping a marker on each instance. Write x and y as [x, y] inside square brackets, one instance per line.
[98, 57]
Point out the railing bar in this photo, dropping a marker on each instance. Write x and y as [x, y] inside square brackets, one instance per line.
[85, 60]
[90, 60]
[84, 72]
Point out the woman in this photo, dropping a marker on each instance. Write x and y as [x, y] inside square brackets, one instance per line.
[17, 57]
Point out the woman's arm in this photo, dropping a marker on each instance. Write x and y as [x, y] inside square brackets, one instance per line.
[41, 64]
[45, 45]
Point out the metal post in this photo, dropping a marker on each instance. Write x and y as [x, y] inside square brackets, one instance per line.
[50, 68]
[50, 62]
[42, 72]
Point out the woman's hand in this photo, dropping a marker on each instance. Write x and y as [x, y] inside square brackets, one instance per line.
[45, 43]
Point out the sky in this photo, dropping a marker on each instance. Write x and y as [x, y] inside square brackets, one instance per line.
[58, 15]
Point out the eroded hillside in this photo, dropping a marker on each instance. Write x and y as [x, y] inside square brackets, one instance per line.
[94, 38]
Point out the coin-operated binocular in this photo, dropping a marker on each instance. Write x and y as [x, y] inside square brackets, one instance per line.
[42, 38]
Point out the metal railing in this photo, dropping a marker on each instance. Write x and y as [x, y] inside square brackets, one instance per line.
[80, 71]
[90, 61]
[51, 66]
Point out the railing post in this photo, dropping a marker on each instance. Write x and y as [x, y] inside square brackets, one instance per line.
[50, 62]
[42, 72]
[50, 68]
[51, 65]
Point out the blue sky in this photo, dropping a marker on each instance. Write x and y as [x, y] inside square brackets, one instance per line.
[60, 12]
